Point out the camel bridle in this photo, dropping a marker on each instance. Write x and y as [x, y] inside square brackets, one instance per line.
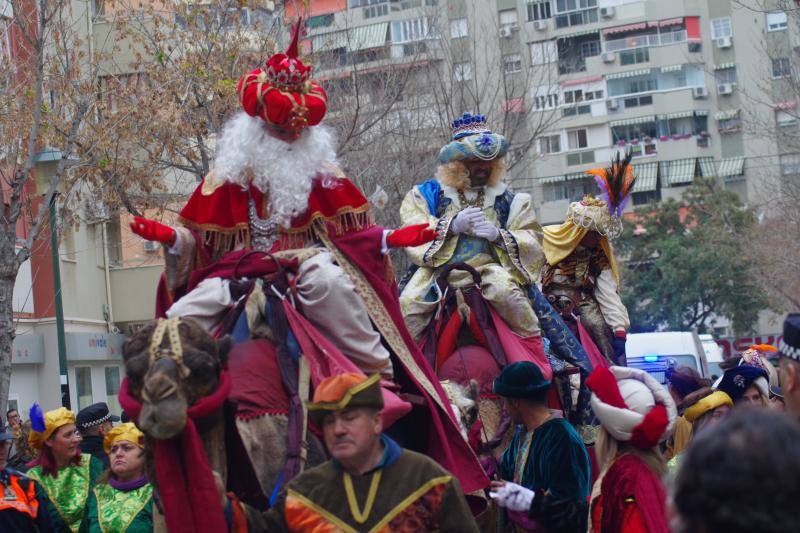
[168, 327]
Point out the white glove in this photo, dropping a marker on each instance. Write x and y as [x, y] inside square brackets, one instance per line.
[486, 230]
[513, 497]
[466, 219]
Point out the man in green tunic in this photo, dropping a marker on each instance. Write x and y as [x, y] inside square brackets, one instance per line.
[371, 484]
[66, 475]
[546, 467]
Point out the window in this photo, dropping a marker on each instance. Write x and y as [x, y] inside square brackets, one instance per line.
[513, 63]
[572, 5]
[573, 97]
[545, 101]
[725, 75]
[729, 125]
[637, 55]
[406, 31]
[508, 18]
[376, 11]
[781, 67]
[539, 10]
[112, 389]
[462, 71]
[576, 18]
[550, 144]
[790, 164]
[579, 110]
[641, 86]
[721, 28]
[637, 101]
[590, 48]
[577, 139]
[776, 21]
[783, 119]
[83, 386]
[543, 52]
[571, 190]
[646, 197]
[580, 158]
[593, 95]
[458, 28]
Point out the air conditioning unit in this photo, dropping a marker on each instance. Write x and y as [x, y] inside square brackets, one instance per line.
[609, 57]
[725, 88]
[151, 246]
[96, 212]
[724, 42]
[612, 104]
[699, 93]
[506, 32]
[540, 25]
[607, 12]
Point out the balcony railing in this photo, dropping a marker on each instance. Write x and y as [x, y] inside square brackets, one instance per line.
[639, 41]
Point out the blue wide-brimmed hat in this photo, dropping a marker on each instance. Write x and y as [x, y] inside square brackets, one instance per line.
[473, 140]
[522, 379]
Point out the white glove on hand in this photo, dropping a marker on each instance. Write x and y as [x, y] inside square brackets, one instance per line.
[513, 497]
[486, 230]
[466, 220]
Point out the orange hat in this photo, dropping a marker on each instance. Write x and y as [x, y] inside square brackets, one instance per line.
[343, 391]
[283, 93]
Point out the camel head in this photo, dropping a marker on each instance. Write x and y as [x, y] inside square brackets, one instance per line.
[171, 364]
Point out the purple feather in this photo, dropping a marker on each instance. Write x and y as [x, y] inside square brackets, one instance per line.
[36, 417]
[601, 184]
[622, 205]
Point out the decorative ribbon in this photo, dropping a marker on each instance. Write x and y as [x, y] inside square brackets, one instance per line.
[185, 481]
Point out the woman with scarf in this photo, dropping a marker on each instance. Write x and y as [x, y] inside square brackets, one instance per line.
[635, 414]
[65, 475]
[122, 500]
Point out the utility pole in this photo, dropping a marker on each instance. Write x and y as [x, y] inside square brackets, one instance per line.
[62, 341]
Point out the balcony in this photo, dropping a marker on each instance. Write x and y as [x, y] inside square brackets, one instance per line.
[646, 40]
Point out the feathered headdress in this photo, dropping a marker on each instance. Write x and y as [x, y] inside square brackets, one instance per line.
[615, 183]
[44, 424]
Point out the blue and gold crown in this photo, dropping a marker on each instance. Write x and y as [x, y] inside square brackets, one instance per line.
[468, 124]
[473, 140]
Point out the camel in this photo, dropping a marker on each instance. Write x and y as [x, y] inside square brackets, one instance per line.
[245, 439]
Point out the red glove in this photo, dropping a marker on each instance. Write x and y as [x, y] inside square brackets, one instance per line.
[153, 231]
[410, 236]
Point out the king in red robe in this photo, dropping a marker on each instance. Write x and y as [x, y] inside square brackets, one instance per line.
[276, 187]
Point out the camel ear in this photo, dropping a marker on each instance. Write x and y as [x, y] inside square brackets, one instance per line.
[224, 346]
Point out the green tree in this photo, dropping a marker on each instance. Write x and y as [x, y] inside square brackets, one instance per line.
[686, 263]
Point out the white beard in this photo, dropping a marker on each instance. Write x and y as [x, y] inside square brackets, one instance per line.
[282, 170]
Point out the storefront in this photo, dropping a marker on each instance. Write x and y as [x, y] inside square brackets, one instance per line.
[95, 369]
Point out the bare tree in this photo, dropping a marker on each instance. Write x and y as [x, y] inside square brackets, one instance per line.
[772, 114]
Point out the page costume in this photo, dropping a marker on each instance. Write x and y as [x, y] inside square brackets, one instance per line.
[405, 491]
[586, 281]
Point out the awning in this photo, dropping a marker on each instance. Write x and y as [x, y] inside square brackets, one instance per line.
[733, 166]
[329, 41]
[370, 36]
[551, 179]
[581, 81]
[782, 106]
[679, 114]
[678, 172]
[627, 27]
[576, 176]
[646, 176]
[701, 112]
[724, 66]
[578, 34]
[628, 74]
[671, 22]
[727, 114]
[632, 121]
[355, 39]
[707, 167]
[672, 68]
[514, 105]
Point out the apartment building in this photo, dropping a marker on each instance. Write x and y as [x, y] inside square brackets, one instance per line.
[681, 84]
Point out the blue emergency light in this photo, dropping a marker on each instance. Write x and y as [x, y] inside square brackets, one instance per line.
[650, 358]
